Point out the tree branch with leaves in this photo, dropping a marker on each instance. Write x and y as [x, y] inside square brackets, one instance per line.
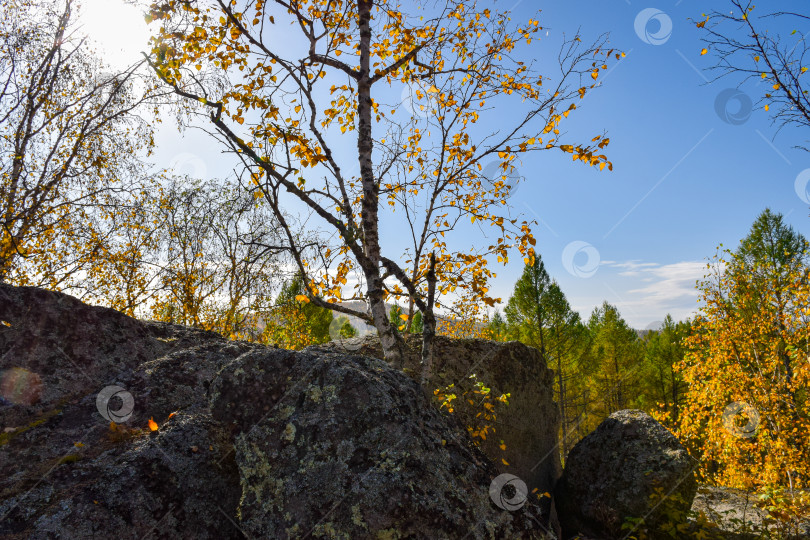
[743, 45]
[60, 119]
[287, 84]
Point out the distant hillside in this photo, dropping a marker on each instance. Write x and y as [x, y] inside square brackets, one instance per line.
[360, 325]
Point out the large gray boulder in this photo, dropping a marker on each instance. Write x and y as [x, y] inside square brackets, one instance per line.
[251, 441]
[615, 472]
[528, 426]
[336, 446]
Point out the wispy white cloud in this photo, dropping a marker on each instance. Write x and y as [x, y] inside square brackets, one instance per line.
[647, 291]
[632, 268]
[671, 281]
[631, 265]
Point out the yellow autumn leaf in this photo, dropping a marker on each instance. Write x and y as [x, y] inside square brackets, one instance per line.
[703, 51]
[302, 298]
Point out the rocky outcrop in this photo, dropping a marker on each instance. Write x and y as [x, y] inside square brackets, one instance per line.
[352, 451]
[528, 426]
[736, 514]
[629, 467]
[247, 441]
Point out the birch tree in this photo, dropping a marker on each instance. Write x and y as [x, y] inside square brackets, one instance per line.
[305, 93]
[67, 139]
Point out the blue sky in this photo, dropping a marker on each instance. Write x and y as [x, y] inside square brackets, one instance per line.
[685, 178]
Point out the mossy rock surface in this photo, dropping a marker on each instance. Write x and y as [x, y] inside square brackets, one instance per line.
[251, 441]
[618, 471]
[528, 426]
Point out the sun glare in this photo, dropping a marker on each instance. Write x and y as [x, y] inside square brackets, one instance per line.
[119, 30]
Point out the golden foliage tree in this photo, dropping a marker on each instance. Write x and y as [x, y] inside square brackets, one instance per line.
[292, 86]
[59, 123]
[748, 365]
[294, 325]
[193, 252]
